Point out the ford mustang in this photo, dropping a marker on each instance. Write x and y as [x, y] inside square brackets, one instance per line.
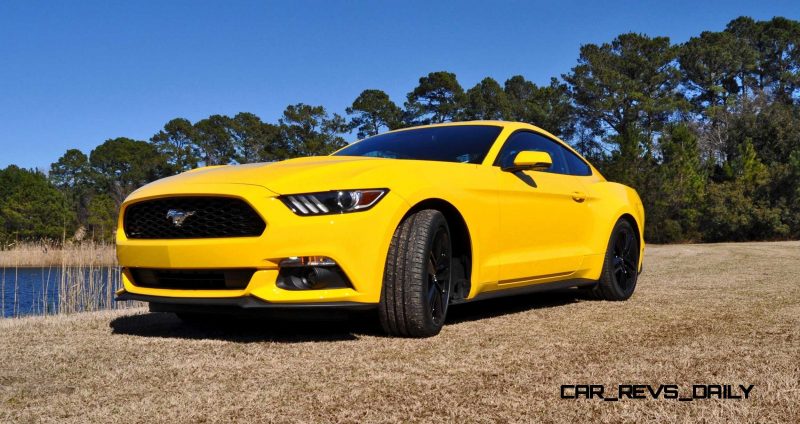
[407, 223]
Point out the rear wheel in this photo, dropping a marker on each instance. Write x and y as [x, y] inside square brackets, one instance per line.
[418, 276]
[620, 268]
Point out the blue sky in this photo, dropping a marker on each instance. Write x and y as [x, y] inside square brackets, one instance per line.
[73, 74]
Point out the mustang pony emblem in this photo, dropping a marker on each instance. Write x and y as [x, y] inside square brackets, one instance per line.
[178, 216]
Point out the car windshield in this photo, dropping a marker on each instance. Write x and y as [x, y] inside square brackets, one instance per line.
[459, 143]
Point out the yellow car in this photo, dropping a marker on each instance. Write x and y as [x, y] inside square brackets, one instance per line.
[406, 222]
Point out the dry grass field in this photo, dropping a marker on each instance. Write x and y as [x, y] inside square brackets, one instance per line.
[726, 314]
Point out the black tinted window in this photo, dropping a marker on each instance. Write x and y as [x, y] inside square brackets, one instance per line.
[461, 143]
[564, 161]
[576, 165]
[531, 141]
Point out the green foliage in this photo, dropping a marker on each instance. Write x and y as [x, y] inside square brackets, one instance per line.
[625, 92]
[256, 141]
[73, 175]
[438, 98]
[674, 214]
[548, 107]
[791, 183]
[122, 165]
[31, 207]
[712, 65]
[214, 140]
[71, 170]
[774, 44]
[486, 100]
[102, 219]
[373, 110]
[723, 177]
[177, 142]
[310, 131]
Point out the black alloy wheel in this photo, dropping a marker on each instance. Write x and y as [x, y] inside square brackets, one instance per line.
[439, 275]
[418, 275]
[626, 257]
[620, 267]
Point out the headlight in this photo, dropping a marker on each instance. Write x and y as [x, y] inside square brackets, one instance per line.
[332, 202]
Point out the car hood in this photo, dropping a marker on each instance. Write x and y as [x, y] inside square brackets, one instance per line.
[319, 173]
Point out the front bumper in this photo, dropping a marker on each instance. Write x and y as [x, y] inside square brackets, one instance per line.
[232, 303]
[357, 241]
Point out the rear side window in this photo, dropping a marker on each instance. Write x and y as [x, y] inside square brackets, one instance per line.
[564, 161]
[576, 165]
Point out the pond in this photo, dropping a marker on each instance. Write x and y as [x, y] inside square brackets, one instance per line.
[52, 290]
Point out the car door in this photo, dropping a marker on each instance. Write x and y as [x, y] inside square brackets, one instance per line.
[544, 216]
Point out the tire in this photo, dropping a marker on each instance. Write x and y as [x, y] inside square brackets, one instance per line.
[417, 280]
[620, 267]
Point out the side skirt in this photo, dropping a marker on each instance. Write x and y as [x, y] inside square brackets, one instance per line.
[534, 288]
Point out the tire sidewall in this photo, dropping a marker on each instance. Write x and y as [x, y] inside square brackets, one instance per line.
[612, 285]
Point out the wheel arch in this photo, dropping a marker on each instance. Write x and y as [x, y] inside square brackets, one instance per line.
[614, 202]
[637, 229]
[459, 231]
[631, 220]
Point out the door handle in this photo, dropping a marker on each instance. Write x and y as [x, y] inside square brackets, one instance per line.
[578, 196]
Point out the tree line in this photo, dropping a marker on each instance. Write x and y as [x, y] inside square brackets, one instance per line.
[707, 131]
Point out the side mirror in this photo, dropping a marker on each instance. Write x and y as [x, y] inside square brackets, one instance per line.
[529, 160]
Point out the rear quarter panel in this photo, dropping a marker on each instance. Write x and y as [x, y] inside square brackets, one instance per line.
[609, 202]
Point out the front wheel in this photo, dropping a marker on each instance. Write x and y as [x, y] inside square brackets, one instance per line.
[620, 268]
[418, 276]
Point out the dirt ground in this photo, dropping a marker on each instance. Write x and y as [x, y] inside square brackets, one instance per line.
[702, 314]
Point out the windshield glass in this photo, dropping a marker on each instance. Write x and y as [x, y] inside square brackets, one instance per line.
[460, 143]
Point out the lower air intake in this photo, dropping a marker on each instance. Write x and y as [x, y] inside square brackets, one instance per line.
[227, 279]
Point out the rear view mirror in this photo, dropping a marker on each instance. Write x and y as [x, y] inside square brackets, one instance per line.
[529, 160]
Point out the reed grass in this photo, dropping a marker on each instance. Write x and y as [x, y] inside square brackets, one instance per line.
[46, 253]
[76, 277]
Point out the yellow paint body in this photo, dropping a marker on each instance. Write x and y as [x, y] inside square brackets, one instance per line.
[520, 235]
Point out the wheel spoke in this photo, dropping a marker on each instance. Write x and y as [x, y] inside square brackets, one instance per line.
[431, 293]
[438, 248]
[439, 275]
[626, 247]
[629, 266]
[620, 272]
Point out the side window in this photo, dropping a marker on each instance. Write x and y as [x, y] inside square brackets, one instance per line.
[576, 165]
[524, 140]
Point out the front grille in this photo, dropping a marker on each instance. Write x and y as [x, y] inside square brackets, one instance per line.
[192, 217]
[192, 279]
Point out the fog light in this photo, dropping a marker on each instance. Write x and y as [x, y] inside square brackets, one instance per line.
[312, 278]
[297, 261]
